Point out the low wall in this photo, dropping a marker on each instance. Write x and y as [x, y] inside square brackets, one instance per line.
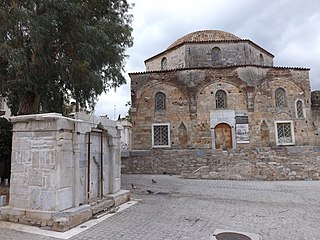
[285, 163]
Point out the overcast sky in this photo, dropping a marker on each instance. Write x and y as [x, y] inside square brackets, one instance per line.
[289, 29]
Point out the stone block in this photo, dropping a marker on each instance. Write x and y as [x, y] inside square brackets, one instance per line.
[35, 177]
[213, 175]
[67, 135]
[273, 163]
[120, 197]
[70, 218]
[140, 153]
[47, 201]
[297, 163]
[44, 134]
[12, 211]
[39, 215]
[22, 144]
[34, 198]
[316, 149]
[3, 200]
[125, 153]
[102, 205]
[200, 153]
[64, 198]
[295, 149]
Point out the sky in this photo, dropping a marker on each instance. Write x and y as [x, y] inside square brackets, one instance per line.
[289, 29]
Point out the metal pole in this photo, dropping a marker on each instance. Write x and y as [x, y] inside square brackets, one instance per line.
[89, 156]
[101, 165]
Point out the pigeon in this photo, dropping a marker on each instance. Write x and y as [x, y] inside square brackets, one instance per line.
[133, 186]
[150, 192]
[153, 181]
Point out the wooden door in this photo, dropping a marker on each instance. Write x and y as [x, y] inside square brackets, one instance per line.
[223, 136]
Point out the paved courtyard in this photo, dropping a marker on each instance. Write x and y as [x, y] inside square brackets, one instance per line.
[195, 209]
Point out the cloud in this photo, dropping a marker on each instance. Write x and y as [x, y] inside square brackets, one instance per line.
[113, 103]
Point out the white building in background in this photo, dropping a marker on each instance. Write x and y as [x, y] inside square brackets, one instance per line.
[126, 134]
[4, 110]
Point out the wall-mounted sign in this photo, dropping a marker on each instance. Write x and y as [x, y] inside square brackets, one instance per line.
[242, 127]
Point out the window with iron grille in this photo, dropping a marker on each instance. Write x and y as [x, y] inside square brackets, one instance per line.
[284, 133]
[221, 99]
[161, 137]
[280, 96]
[299, 109]
[160, 101]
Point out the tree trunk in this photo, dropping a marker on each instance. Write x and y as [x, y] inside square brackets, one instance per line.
[30, 104]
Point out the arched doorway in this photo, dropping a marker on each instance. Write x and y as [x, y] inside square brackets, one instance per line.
[223, 136]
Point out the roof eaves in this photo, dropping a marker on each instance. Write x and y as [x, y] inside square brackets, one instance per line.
[220, 67]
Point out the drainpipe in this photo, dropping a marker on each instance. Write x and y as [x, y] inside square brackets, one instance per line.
[101, 165]
[89, 149]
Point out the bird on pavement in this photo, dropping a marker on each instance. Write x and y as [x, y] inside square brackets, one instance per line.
[133, 186]
[153, 181]
[150, 192]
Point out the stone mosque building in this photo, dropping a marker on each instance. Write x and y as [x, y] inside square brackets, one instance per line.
[213, 90]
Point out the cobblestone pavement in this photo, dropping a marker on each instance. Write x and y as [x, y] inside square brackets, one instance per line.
[194, 209]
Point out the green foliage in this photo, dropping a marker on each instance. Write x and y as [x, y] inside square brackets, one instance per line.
[5, 139]
[62, 50]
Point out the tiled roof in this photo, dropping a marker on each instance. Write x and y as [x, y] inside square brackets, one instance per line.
[204, 36]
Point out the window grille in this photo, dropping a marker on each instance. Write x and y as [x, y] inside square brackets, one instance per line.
[221, 99]
[280, 96]
[284, 133]
[160, 101]
[161, 135]
[299, 108]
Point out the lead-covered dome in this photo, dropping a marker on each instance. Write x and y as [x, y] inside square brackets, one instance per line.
[205, 36]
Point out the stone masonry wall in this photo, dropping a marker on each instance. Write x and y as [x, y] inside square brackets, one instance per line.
[63, 170]
[199, 55]
[285, 163]
[190, 97]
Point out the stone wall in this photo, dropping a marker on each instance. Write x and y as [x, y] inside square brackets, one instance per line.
[175, 59]
[194, 55]
[190, 97]
[285, 163]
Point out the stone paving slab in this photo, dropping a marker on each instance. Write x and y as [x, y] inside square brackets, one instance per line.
[194, 209]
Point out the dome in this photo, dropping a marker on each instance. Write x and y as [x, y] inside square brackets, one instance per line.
[205, 36]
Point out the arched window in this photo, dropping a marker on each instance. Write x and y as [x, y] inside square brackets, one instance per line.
[216, 54]
[164, 65]
[221, 99]
[261, 59]
[299, 109]
[160, 101]
[280, 97]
